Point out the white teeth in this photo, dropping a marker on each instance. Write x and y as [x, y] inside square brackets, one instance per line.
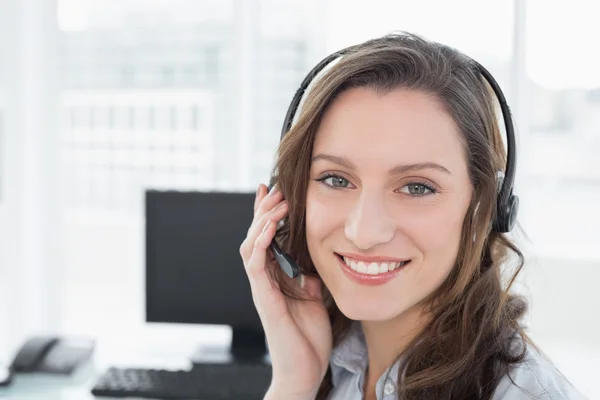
[351, 263]
[361, 267]
[373, 268]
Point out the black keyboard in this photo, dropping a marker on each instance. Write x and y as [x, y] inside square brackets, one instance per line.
[203, 382]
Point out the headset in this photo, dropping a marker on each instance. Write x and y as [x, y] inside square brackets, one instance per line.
[507, 202]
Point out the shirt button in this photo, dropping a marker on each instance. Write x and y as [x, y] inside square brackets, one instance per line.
[388, 388]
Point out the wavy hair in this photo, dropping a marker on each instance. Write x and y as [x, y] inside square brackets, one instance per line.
[469, 344]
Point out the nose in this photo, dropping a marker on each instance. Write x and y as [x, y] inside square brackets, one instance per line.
[369, 224]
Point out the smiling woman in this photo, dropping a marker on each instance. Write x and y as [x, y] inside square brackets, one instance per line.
[411, 212]
[388, 198]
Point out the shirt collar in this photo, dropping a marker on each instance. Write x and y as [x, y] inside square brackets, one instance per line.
[351, 355]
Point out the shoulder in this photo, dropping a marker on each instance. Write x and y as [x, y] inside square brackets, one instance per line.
[536, 378]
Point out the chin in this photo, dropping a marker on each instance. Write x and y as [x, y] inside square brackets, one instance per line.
[357, 310]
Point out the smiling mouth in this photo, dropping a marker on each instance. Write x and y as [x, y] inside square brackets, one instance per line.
[372, 268]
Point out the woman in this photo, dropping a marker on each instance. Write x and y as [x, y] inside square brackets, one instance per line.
[385, 196]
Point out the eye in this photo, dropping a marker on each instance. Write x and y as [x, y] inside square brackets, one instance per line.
[417, 189]
[334, 181]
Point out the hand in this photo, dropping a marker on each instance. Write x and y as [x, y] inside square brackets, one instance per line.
[298, 332]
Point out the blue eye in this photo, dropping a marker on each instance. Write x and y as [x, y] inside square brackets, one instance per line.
[417, 189]
[334, 181]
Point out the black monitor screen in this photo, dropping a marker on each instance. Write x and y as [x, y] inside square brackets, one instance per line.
[194, 271]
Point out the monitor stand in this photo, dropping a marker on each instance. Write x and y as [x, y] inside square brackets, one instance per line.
[248, 346]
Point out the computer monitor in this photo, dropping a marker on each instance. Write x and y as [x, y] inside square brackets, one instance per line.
[194, 271]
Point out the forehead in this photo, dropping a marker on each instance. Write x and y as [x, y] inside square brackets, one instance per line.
[402, 125]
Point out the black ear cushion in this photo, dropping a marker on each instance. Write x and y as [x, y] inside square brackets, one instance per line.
[506, 217]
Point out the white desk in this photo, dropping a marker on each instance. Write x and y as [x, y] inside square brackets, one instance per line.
[165, 352]
[38, 386]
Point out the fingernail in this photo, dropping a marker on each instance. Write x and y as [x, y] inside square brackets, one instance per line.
[302, 281]
[273, 190]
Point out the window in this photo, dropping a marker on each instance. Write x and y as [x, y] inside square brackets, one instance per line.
[211, 65]
[562, 185]
[2, 147]
[167, 120]
[491, 46]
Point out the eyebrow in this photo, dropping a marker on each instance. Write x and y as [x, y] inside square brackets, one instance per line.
[399, 169]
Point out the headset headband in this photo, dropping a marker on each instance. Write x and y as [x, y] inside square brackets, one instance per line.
[507, 204]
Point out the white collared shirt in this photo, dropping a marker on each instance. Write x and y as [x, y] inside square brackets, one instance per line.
[536, 377]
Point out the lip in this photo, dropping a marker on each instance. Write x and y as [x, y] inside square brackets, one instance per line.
[367, 279]
[370, 259]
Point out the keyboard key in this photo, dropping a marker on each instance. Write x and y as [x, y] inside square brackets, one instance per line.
[203, 381]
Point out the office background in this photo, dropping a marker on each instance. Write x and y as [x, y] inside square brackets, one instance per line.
[100, 100]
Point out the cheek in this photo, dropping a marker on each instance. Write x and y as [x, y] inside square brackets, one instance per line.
[321, 215]
[437, 237]
[437, 232]
[444, 229]
[318, 219]
[324, 227]
[313, 219]
[440, 242]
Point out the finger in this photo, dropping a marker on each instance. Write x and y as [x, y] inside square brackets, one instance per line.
[268, 201]
[260, 283]
[261, 193]
[276, 214]
[258, 197]
[260, 208]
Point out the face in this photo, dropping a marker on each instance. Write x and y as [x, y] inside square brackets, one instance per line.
[389, 188]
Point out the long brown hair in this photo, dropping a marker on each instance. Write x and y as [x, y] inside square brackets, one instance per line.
[469, 345]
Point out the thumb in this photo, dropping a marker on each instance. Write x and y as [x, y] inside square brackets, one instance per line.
[312, 286]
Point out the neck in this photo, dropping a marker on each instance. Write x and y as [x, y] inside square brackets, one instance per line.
[386, 340]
